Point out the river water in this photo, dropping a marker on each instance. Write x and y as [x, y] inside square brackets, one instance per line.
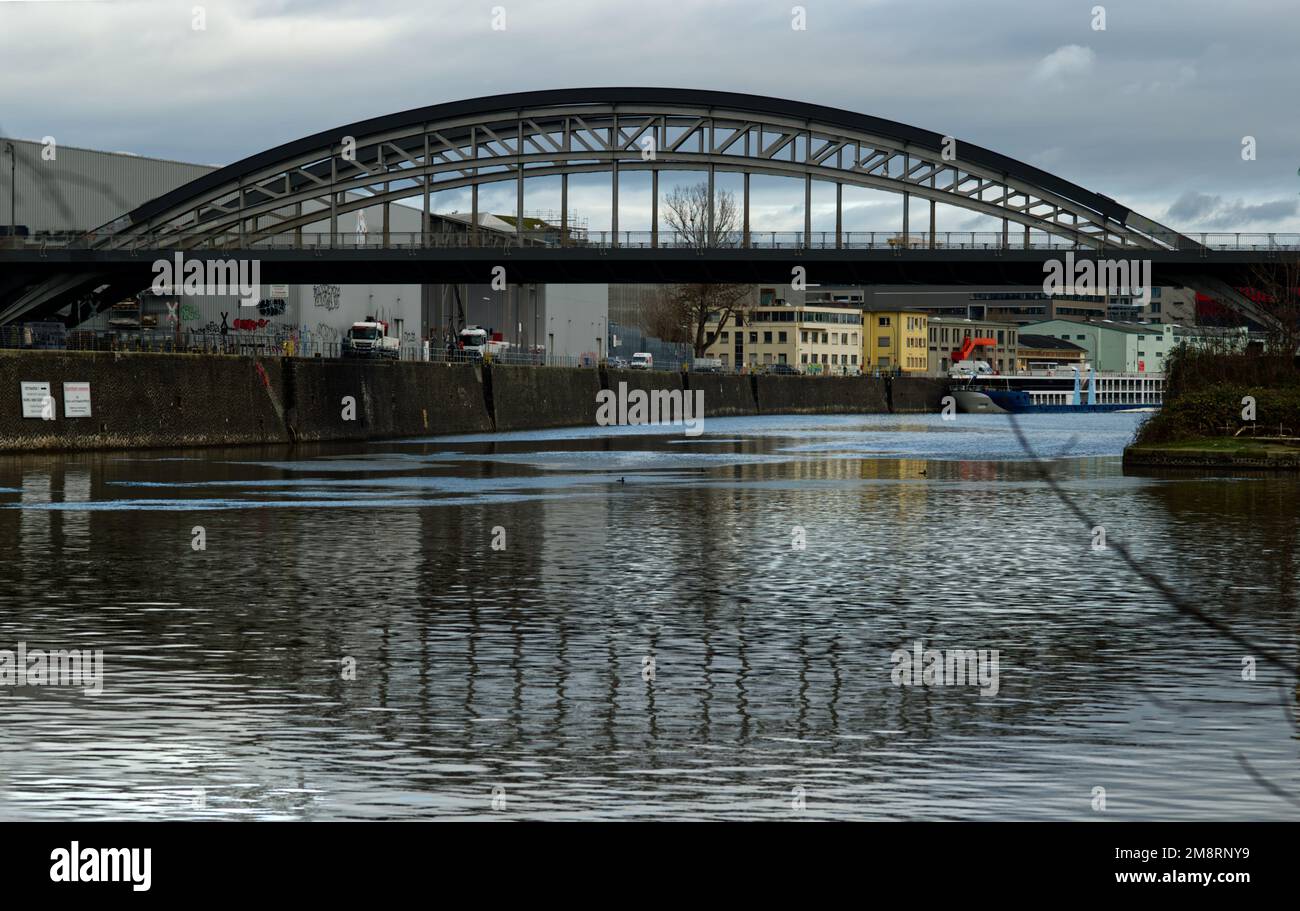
[610, 623]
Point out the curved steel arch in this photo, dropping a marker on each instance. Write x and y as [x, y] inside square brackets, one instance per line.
[571, 131]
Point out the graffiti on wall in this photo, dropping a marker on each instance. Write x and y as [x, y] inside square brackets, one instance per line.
[325, 296]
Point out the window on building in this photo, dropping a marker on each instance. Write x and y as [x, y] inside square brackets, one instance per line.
[803, 337]
[753, 338]
[803, 358]
[767, 338]
[882, 321]
[824, 335]
[780, 358]
[724, 336]
[854, 359]
[781, 337]
[766, 297]
[884, 341]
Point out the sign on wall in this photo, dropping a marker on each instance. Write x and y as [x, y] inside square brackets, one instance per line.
[279, 291]
[76, 400]
[37, 402]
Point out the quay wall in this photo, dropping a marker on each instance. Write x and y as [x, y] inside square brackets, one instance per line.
[725, 395]
[390, 399]
[821, 395]
[914, 394]
[141, 400]
[530, 398]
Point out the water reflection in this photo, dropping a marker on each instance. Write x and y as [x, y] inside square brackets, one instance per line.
[649, 642]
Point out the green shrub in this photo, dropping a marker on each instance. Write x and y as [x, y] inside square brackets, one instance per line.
[1207, 411]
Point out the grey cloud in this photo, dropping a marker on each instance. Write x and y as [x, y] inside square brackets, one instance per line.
[1156, 103]
[1208, 211]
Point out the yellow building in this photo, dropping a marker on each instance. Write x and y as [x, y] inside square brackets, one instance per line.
[896, 340]
[812, 339]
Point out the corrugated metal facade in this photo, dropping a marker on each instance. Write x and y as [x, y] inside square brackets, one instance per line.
[82, 189]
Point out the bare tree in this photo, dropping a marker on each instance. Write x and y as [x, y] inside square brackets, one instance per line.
[697, 225]
[1276, 287]
[702, 310]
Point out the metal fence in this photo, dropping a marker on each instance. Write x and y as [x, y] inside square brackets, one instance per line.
[1013, 239]
[54, 337]
[631, 340]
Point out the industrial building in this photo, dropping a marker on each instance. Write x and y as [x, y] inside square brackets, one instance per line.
[62, 190]
[1044, 352]
[1113, 346]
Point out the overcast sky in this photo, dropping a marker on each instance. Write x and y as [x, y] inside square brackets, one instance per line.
[1151, 111]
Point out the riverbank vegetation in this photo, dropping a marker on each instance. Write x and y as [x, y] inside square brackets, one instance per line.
[1220, 393]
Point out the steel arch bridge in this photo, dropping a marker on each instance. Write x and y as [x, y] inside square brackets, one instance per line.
[282, 207]
[468, 144]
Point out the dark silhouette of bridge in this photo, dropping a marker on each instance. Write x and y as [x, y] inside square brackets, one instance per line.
[282, 207]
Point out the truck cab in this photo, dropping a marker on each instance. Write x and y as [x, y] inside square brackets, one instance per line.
[369, 338]
[477, 342]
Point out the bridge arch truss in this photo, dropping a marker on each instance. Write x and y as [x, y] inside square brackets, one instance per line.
[275, 195]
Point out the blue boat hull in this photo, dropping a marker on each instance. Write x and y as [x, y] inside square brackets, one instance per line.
[1017, 402]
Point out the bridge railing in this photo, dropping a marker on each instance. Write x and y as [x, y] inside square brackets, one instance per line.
[758, 240]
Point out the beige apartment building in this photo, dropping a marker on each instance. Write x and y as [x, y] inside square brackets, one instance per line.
[948, 333]
[812, 339]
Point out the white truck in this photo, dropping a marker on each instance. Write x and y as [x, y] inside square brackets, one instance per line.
[369, 338]
[967, 369]
[476, 342]
[642, 360]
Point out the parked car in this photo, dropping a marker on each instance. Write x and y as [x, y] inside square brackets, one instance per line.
[783, 370]
[642, 360]
[707, 365]
[617, 363]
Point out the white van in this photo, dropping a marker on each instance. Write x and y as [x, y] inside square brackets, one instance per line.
[968, 369]
[642, 360]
